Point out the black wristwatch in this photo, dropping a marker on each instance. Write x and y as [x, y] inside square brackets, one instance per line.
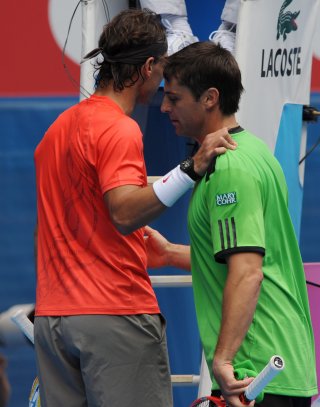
[187, 166]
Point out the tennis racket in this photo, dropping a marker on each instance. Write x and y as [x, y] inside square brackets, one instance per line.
[209, 401]
[272, 369]
[23, 322]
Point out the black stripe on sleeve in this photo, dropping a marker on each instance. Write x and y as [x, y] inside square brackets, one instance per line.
[234, 231]
[221, 234]
[226, 222]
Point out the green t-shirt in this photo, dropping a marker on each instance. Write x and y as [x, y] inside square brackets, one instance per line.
[241, 206]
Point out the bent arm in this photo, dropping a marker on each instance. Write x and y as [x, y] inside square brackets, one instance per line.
[162, 253]
[240, 298]
[131, 207]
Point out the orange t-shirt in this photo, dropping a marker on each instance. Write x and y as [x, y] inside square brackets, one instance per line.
[85, 266]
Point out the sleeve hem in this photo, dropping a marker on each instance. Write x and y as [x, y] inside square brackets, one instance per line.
[121, 183]
[220, 257]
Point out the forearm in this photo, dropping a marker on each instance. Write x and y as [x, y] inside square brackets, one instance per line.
[239, 305]
[179, 256]
[240, 298]
[132, 207]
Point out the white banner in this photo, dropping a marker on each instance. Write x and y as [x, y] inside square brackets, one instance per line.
[274, 46]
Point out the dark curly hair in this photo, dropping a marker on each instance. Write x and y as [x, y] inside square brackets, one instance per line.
[125, 44]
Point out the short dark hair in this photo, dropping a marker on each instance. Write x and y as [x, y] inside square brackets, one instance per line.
[204, 65]
[125, 44]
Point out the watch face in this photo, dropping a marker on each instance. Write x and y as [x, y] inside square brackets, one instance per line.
[187, 164]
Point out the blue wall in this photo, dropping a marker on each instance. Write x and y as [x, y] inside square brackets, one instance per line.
[23, 122]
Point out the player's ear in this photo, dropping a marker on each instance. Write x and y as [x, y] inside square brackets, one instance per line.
[210, 97]
[147, 67]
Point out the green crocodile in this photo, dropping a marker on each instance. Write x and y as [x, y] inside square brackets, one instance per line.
[286, 20]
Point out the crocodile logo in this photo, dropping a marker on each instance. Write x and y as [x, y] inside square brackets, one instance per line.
[286, 21]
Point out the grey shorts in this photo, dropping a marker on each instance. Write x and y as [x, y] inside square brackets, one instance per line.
[103, 361]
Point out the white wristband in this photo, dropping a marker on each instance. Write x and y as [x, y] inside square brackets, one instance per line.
[172, 186]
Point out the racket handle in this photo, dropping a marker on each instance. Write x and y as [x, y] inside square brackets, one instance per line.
[24, 323]
[274, 367]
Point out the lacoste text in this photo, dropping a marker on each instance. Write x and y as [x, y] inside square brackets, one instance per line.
[281, 62]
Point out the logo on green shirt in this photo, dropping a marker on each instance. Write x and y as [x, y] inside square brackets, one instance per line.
[227, 198]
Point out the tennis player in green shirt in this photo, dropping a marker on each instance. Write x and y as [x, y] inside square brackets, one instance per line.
[248, 278]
